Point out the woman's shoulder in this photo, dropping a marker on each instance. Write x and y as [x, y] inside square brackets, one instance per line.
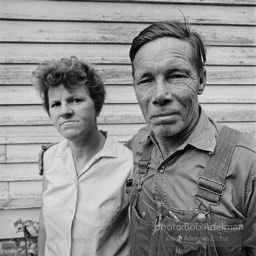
[54, 151]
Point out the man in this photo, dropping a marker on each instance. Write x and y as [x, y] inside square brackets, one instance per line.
[193, 190]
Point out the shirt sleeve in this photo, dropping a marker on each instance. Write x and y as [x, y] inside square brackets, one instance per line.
[249, 238]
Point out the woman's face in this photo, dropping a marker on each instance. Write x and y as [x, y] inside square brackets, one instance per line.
[72, 112]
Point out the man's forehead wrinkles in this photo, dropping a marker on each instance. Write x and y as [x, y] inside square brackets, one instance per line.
[162, 64]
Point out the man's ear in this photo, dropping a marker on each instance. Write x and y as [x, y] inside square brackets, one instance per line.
[202, 83]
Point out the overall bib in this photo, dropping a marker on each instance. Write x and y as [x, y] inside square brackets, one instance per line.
[158, 229]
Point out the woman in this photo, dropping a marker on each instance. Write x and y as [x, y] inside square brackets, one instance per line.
[85, 209]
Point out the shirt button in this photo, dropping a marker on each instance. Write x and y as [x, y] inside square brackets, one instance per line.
[201, 217]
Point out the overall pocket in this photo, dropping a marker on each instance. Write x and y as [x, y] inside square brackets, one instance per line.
[176, 241]
[227, 234]
[141, 234]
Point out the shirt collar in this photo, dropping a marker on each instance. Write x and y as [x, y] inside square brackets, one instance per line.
[108, 150]
[203, 136]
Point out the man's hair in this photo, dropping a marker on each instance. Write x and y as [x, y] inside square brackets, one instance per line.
[173, 29]
[71, 73]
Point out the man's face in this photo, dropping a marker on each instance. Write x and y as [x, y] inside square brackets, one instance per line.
[167, 86]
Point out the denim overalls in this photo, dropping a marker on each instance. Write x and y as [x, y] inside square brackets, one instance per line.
[158, 229]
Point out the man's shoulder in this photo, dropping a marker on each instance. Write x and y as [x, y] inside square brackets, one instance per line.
[120, 148]
[139, 137]
[248, 142]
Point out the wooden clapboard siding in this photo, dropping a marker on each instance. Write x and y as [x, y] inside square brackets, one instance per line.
[19, 170]
[48, 134]
[25, 189]
[21, 203]
[124, 113]
[127, 12]
[120, 132]
[121, 74]
[91, 32]
[125, 94]
[194, 2]
[25, 153]
[100, 32]
[2, 153]
[4, 190]
[19, 53]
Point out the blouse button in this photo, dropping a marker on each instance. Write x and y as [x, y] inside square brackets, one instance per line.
[201, 217]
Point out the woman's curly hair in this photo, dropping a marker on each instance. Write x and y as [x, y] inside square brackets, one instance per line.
[72, 73]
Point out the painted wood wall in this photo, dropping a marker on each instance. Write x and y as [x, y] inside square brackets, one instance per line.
[32, 31]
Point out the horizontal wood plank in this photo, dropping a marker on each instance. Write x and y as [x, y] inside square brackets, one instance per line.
[126, 12]
[21, 171]
[22, 154]
[2, 152]
[89, 32]
[125, 94]
[109, 54]
[24, 209]
[121, 74]
[194, 2]
[118, 113]
[4, 190]
[120, 132]
[48, 134]
[21, 203]
[249, 127]
[25, 189]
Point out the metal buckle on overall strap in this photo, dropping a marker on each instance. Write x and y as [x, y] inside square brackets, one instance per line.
[143, 166]
[211, 186]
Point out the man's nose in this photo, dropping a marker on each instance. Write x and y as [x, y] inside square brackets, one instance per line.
[162, 93]
[65, 110]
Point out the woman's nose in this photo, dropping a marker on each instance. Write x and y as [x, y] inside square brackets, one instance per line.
[65, 110]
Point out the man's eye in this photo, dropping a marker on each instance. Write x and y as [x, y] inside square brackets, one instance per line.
[178, 75]
[145, 81]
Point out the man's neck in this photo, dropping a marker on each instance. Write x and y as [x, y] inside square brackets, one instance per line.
[169, 145]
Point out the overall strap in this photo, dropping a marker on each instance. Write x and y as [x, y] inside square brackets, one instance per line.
[144, 162]
[211, 183]
[145, 159]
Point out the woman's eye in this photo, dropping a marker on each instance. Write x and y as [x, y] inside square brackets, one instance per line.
[55, 104]
[76, 100]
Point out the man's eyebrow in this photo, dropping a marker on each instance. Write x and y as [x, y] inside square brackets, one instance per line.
[143, 74]
[182, 69]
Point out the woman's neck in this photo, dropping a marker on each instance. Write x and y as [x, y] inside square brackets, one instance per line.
[84, 150]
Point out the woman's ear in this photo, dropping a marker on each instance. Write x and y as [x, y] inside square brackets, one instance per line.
[202, 83]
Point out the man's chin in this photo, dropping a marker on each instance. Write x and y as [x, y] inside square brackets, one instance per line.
[165, 130]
